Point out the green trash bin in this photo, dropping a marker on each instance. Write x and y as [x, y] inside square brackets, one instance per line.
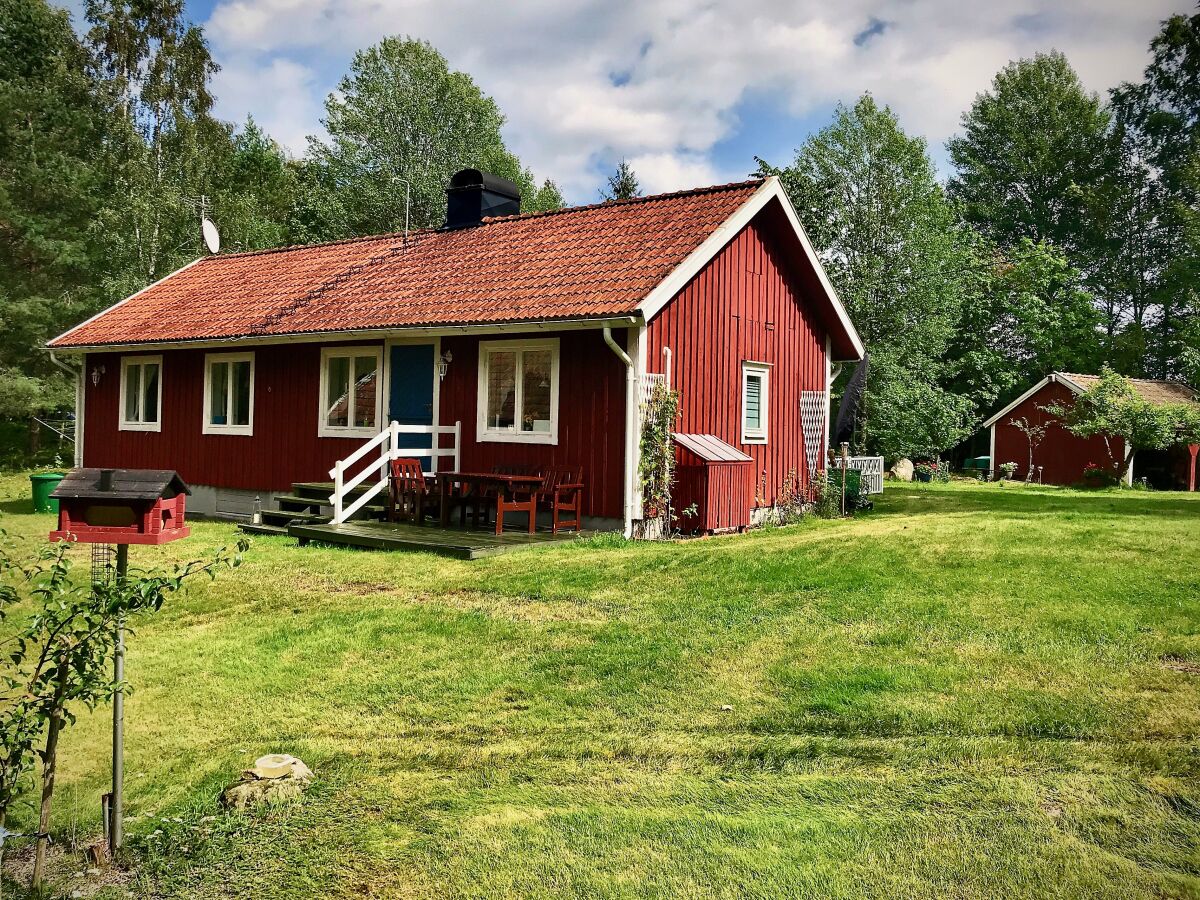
[43, 486]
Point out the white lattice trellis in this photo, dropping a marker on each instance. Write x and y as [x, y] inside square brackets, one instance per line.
[813, 409]
[645, 388]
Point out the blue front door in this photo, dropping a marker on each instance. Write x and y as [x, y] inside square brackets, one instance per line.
[410, 392]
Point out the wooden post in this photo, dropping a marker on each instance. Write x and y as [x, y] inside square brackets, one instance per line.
[337, 493]
[1193, 449]
[845, 470]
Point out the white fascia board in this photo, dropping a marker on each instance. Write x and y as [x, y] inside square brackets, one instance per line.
[771, 189]
[105, 312]
[1049, 379]
[363, 334]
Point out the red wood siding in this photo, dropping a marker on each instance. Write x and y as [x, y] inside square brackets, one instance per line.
[283, 449]
[1061, 454]
[591, 415]
[746, 305]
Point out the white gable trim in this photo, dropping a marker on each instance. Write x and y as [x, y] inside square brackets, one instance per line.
[105, 312]
[1049, 379]
[715, 242]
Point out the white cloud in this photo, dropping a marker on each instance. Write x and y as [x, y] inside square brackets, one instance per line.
[282, 95]
[658, 82]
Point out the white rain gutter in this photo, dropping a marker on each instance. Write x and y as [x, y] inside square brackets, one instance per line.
[80, 396]
[631, 436]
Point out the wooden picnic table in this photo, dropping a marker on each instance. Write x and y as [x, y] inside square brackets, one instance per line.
[473, 489]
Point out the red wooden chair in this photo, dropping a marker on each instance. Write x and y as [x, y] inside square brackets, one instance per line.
[521, 498]
[562, 492]
[409, 493]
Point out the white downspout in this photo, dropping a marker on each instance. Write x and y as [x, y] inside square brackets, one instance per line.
[80, 397]
[630, 482]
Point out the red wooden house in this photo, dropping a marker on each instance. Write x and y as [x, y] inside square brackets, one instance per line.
[1061, 456]
[520, 339]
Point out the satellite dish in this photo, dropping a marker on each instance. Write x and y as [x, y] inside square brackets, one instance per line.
[212, 238]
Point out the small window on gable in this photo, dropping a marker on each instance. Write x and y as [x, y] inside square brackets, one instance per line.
[141, 393]
[229, 393]
[756, 390]
[350, 392]
[518, 391]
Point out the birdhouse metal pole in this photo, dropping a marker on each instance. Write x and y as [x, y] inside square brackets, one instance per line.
[118, 729]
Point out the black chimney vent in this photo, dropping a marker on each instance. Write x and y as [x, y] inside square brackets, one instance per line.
[473, 194]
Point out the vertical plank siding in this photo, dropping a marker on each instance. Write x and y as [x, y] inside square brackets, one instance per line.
[1061, 454]
[591, 415]
[747, 305]
[285, 447]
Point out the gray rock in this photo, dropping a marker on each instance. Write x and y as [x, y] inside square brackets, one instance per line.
[902, 470]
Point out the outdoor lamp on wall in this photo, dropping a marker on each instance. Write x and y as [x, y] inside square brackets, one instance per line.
[96, 373]
[444, 364]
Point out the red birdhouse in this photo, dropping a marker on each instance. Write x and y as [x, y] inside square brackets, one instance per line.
[121, 506]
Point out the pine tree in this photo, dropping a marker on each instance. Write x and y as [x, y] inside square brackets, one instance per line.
[622, 184]
[49, 199]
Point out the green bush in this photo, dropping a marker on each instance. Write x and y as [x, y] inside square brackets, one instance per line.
[856, 495]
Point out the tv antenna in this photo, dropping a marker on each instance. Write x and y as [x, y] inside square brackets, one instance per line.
[208, 231]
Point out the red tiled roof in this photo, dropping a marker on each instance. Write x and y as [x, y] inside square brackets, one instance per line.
[1149, 389]
[585, 262]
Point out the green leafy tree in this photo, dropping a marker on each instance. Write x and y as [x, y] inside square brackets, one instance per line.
[622, 184]
[164, 149]
[401, 116]
[1114, 410]
[1031, 315]
[58, 660]
[870, 199]
[1033, 151]
[1161, 118]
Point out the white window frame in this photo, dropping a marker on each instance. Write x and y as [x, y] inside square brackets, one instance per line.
[126, 424]
[209, 360]
[491, 435]
[324, 429]
[761, 434]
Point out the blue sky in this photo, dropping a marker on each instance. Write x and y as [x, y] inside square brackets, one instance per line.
[689, 91]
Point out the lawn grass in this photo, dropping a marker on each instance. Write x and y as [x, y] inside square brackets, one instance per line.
[974, 691]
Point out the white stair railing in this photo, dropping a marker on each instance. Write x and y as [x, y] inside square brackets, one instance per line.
[380, 451]
[870, 469]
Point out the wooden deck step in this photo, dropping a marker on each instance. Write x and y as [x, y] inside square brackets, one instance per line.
[291, 501]
[320, 490]
[459, 543]
[249, 528]
[283, 517]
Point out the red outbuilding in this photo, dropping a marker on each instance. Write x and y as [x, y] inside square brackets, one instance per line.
[1061, 457]
[498, 342]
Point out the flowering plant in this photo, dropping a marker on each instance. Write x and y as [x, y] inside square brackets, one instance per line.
[1095, 475]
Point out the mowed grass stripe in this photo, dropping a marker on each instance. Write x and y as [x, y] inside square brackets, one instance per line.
[960, 694]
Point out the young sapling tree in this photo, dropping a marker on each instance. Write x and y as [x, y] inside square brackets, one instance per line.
[58, 661]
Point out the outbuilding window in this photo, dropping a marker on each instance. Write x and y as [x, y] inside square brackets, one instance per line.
[141, 393]
[756, 393]
[518, 391]
[229, 393]
[350, 394]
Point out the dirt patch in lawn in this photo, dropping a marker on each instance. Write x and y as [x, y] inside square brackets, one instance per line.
[1179, 664]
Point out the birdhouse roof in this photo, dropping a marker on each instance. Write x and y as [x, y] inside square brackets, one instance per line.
[127, 484]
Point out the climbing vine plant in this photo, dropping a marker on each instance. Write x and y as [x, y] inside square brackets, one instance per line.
[658, 452]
